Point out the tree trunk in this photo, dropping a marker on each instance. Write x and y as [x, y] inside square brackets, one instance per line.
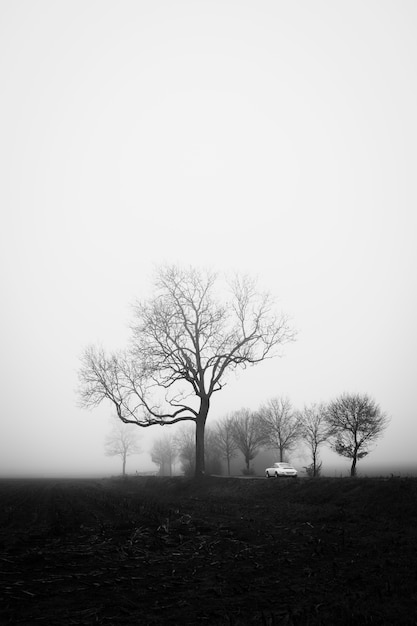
[228, 466]
[124, 465]
[199, 437]
[353, 467]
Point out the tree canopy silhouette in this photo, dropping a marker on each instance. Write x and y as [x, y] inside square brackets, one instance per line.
[355, 422]
[185, 340]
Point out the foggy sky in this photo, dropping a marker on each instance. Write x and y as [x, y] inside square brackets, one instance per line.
[275, 138]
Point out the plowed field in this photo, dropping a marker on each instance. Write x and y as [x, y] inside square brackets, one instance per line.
[218, 551]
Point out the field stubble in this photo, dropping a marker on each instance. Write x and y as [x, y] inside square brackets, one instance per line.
[218, 551]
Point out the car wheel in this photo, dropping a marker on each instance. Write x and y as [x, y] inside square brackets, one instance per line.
[267, 474]
[276, 474]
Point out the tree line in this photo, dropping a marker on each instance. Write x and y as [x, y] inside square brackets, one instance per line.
[185, 340]
[348, 425]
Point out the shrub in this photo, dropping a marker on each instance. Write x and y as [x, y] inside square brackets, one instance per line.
[310, 470]
[248, 471]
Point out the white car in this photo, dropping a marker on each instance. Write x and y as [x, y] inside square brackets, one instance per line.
[281, 469]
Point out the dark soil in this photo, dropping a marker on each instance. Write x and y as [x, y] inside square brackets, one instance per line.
[217, 551]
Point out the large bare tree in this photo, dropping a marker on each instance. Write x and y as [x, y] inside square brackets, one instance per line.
[185, 340]
[356, 422]
[123, 442]
[279, 425]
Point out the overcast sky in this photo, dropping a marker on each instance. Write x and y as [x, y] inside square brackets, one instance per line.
[276, 138]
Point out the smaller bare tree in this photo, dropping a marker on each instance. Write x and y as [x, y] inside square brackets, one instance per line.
[279, 425]
[163, 454]
[122, 441]
[314, 429]
[247, 436]
[213, 455]
[225, 441]
[355, 421]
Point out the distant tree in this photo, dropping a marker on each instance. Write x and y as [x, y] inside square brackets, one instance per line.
[212, 453]
[279, 425]
[163, 454]
[123, 442]
[247, 436]
[225, 441]
[355, 422]
[186, 339]
[184, 441]
[314, 430]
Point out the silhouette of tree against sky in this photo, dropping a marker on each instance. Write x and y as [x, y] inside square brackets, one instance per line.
[225, 441]
[247, 435]
[279, 425]
[122, 441]
[315, 431]
[185, 340]
[356, 422]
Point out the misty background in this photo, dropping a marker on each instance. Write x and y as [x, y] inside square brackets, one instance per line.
[272, 138]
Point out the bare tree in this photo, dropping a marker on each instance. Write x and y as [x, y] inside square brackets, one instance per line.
[185, 341]
[315, 431]
[247, 436]
[279, 425]
[163, 454]
[122, 441]
[213, 461]
[356, 422]
[225, 441]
